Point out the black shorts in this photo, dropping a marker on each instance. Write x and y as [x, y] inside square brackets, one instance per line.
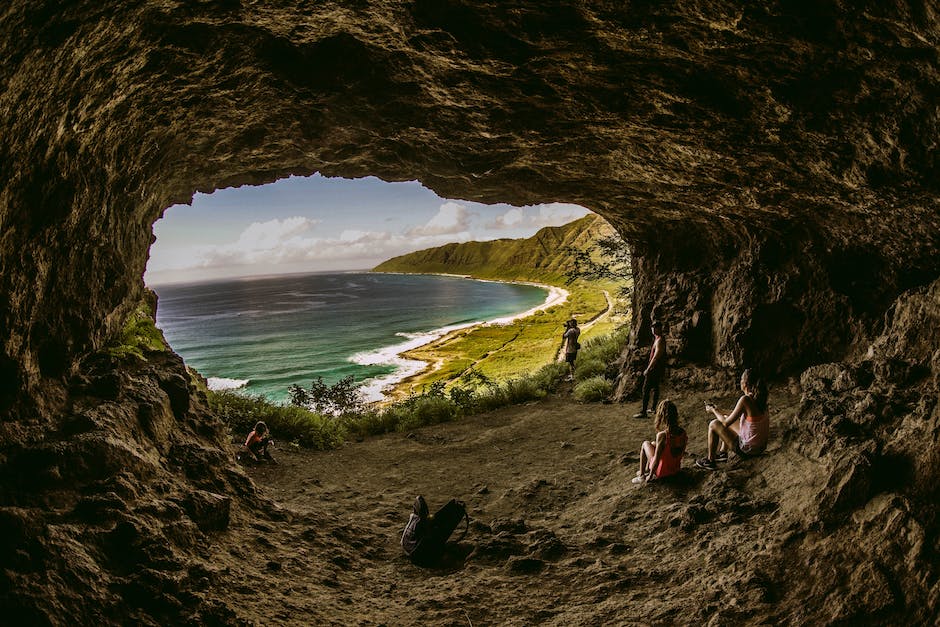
[569, 357]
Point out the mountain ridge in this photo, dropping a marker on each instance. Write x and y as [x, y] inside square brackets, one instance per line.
[546, 256]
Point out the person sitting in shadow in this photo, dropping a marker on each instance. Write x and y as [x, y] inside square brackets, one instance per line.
[258, 445]
[745, 430]
[663, 457]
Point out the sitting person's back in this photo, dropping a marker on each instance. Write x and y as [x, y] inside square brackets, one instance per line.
[676, 439]
[664, 457]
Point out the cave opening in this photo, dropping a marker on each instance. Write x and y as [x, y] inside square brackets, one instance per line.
[261, 288]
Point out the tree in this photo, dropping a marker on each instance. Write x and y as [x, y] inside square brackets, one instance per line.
[607, 259]
[343, 397]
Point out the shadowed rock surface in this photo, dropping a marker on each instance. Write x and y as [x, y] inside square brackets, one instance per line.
[774, 166]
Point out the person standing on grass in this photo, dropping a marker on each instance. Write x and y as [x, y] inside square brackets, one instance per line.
[571, 345]
[655, 370]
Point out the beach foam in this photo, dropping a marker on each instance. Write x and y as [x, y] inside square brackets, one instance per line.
[373, 390]
[217, 384]
[556, 296]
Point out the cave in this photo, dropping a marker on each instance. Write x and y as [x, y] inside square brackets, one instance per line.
[773, 166]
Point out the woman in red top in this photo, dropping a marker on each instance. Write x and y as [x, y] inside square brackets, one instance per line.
[664, 458]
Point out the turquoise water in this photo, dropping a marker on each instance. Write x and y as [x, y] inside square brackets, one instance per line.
[261, 335]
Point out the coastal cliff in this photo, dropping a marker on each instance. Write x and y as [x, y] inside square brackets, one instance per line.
[546, 256]
[772, 165]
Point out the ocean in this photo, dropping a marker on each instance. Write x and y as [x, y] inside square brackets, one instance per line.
[260, 335]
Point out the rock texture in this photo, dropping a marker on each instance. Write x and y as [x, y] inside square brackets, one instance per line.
[774, 166]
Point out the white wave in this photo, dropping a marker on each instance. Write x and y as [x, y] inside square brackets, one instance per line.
[389, 355]
[217, 384]
[373, 389]
[555, 296]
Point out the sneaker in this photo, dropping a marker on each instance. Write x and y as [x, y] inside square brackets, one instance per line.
[638, 479]
[640, 415]
[721, 456]
[705, 463]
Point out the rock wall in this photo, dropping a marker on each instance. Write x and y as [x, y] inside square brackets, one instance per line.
[773, 164]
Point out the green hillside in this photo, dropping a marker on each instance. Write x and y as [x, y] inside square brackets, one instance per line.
[544, 257]
[503, 352]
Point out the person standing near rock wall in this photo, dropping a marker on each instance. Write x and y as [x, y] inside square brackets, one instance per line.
[655, 370]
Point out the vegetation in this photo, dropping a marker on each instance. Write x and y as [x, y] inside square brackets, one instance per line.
[570, 256]
[545, 257]
[477, 370]
[592, 390]
[341, 414]
[139, 335]
[287, 422]
[606, 260]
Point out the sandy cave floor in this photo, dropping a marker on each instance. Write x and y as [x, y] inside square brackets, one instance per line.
[558, 535]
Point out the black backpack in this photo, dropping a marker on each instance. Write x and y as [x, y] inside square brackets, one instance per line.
[425, 536]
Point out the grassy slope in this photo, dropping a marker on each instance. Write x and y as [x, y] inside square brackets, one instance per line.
[502, 352]
[540, 258]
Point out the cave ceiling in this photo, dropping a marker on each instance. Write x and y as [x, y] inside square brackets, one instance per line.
[821, 113]
[715, 120]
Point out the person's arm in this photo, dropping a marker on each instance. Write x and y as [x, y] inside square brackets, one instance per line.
[657, 455]
[655, 356]
[736, 413]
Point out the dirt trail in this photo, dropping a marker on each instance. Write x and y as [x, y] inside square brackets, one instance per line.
[559, 534]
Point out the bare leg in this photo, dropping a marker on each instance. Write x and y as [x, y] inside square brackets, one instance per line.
[646, 454]
[719, 433]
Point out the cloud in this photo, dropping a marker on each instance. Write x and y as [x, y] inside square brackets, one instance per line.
[550, 214]
[451, 218]
[556, 214]
[289, 242]
[263, 235]
[511, 218]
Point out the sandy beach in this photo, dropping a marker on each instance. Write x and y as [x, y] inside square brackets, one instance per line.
[395, 384]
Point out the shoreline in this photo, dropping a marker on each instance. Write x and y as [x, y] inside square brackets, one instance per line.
[387, 388]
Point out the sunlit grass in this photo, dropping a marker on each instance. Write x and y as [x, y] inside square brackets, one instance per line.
[472, 393]
[502, 352]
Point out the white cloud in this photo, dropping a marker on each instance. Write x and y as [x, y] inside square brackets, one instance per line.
[265, 246]
[265, 235]
[451, 218]
[550, 214]
[556, 214]
[511, 218]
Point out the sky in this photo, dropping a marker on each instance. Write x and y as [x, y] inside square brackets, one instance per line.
[319, 224]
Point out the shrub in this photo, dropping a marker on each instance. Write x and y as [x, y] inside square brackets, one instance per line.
[426, 410]
[586, 368]
[593, 390]
[343, 397]
[511, 392]
[606, 348]
[550, 376]
[139, 336]
[371, 422]
[287, 423]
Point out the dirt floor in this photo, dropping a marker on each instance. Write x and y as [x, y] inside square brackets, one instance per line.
[559, 535]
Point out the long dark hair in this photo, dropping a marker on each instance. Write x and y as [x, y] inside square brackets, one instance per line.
[755, 383]
[667, 415]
